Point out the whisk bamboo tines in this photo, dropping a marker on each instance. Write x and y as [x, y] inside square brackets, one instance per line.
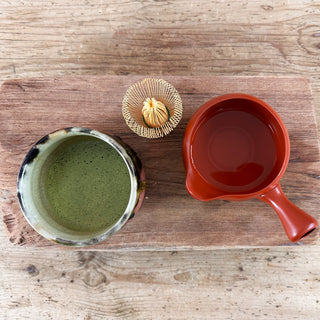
[152, 108]
[155, 114]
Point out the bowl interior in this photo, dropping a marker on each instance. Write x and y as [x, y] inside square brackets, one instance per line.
[238, 146]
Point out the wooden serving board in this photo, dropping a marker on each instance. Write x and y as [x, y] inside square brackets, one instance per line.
[169, 218]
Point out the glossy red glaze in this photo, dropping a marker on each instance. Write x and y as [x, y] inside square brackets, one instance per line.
[236, 147]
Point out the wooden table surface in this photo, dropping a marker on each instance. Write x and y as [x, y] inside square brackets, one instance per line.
[59, 37]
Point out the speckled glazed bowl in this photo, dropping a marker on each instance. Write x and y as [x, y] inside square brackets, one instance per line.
[32, 202]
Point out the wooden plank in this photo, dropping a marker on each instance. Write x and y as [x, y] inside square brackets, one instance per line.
[169, 217]
[276, 283]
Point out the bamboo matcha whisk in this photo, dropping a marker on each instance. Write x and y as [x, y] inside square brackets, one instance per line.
[152, 108]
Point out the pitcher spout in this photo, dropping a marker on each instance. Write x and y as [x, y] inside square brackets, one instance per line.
[200, 189]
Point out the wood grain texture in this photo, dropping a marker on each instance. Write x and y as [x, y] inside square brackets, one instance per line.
[200, 38]
[159, 37]
[277, 283]
[169, 217]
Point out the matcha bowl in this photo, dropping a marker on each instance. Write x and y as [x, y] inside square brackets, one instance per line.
[78, 186]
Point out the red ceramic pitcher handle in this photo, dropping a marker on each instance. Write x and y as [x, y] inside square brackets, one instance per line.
[295, 221]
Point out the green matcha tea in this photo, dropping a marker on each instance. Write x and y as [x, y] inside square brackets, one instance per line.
[85, 184]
